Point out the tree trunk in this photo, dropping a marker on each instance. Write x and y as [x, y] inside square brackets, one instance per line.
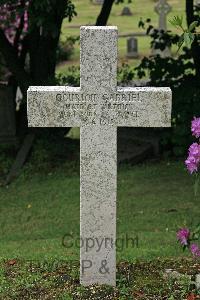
[195, 45]
[42, 50]
[10, 55]
[102, 19]
[43, 46]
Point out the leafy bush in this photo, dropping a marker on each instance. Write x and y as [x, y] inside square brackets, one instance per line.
[125, 73]
[66, 48]
[70, 77]
[177, 73]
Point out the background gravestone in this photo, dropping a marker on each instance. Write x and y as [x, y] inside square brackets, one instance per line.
[98, 2]
[7, 115]
[126, 11]
[132, 47]
[162, 8]
[197, 3]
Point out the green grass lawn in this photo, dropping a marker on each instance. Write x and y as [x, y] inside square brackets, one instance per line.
[88, 12]
[42, 205]
[39, 208]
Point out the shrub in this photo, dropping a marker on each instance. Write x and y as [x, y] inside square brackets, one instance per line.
[66, 48]
[70, 77]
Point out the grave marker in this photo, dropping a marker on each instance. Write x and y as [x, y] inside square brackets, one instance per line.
[162, 8]
[132, 47]
[100, 2]
[126, 11]
[98, 106]
[197, 2]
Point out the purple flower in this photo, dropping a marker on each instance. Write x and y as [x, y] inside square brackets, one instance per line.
[183, 235]
[194, 248]
[193, 160]
[195, 128]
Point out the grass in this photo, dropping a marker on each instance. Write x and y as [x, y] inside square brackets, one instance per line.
[29, 280]
[88, 12]
[39, 208]
[42, 205]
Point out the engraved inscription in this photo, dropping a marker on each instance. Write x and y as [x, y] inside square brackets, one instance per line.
[99, 109]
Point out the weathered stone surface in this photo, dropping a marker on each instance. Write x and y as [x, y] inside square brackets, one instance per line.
[126, 11]
[162, 8]
[132, 47]
[98, 106]
[127, 107]
[98, 2]
[98, 203]
[197, 280]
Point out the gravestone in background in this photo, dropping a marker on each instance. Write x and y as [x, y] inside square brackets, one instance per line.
[197, 3]
[100, 2]
[98, 106]
[162, 8]
[126, 11]
[7, 115]
[132, 47]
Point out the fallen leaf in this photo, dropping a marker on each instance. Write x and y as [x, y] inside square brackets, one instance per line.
[191, 297]
[12, 262]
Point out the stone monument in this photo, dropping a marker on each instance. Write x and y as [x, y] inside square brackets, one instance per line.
[162, 8]
[126, 11]
[98, 107]
[100, 2]
[132, 47]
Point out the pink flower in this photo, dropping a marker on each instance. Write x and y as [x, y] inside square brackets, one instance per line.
[194, 248]
[183, 236]
[195, 128]
[11, 15]
[193, 160]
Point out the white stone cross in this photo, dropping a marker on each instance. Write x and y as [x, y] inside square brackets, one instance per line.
[162, 8]
[98, 107]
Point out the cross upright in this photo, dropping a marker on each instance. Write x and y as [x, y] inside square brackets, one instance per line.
[162, 8]
[98, 107]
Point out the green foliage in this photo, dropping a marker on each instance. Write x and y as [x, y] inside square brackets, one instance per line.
[23, 280]
[70, 77]
[46, 14]
[188, 36]
[178, 74]
[66, 48]
[160, 39]
[125, 73]
[122, 1]
[42, 14]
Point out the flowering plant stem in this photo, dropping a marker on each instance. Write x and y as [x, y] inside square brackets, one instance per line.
[196, 184]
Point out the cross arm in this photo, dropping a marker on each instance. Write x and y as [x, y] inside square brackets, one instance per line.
[139, 107]
[59, 106]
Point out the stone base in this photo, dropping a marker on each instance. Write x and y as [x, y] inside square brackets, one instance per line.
[132, 55]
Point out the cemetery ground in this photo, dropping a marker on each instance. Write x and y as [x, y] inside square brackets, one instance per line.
[88, 12]
[41, 207]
